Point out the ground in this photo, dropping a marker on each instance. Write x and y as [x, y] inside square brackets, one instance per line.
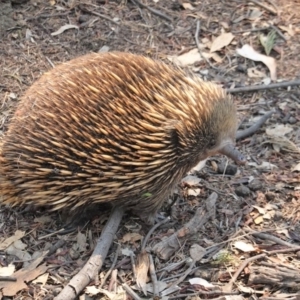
[256, 207]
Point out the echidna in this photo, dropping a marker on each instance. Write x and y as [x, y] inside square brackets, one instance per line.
[114, 128]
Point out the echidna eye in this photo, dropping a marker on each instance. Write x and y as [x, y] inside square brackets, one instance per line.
[212, 143]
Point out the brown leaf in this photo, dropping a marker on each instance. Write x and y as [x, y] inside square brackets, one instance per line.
[142, 267]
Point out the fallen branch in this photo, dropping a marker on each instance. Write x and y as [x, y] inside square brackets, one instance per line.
[154, 11]
[228, 287]
[94, 264]
[170, 245]
[241, 134]
[254, 88]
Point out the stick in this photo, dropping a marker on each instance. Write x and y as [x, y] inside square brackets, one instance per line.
[254, 88]
[154, 11]
[94, 264]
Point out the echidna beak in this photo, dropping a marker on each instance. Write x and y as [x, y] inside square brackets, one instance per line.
[230, 151]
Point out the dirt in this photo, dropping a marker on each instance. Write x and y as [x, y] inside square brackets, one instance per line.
[263, 196]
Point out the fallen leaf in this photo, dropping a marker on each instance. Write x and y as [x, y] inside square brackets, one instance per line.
[290, 30]
[187, 5]
[279, 130]
[43, 219]
[248, 52]
[131, 237]
[24, 276]
[221, 41]
[161, 285]
[296, 168]
[260, 209]
[7, 271]
[142, 267]
[199, 166]
[258, 220]
[81, 242]
[194, 192]
[255, 73]
[64, 28]
[255, 14]
[268, 41]
[200, 281]
[191, 180]
[186, 59]
[245, 247]
[42, 279]
[264, 165]
[127, 252]
[197, 252]
[92, 290]
[6, 242]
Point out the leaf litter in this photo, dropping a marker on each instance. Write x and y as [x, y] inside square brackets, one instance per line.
[272, 153]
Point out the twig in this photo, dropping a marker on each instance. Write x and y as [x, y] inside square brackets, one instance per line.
[254, 88]
[8, 278]
[130, 292]
[165, 248]
[241, 134]
[228, 287]
[271, 238]
[112, 266]
[153, 276]
[258, 3]
[198, 45]
[47, 16]
[154, 11]
[99, 15]
[185, 274]
[94, 264]
[212, 293]
[133, 265]
[152, 230]
[278, 32]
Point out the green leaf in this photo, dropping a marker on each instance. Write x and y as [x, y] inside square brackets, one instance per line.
[268, 41]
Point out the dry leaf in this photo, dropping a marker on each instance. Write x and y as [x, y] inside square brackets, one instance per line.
[5, 243]
[289, 29]
[81, 242]
[193, 192]
[42, 279]
[131, 237]
[142, 267]
[161, 285]
[92, 290]
[64, 28]
[200, 281]
[199, 166]
[264, 165]
[296, 168]
[255, 73]
[279, 130]
[258, 220]
[248, 52]
[197, 252]
[43, 219]
[260, 209]
[245, 247]
[7, 271]
[191, 180]
[187, 5]
[23, 276]
[221, 41]
[187, 58]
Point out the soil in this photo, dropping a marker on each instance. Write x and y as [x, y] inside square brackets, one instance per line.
[260, 197]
